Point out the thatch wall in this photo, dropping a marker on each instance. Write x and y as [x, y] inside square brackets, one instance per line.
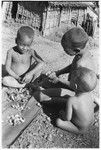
[46, 16]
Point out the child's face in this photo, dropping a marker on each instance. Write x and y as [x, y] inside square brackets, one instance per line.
[72, 52]
[77, 86]
[24, 44]
[75, 83]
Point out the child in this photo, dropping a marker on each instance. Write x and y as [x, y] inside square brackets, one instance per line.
[80, 105]
[19, 59]
[79, 108]
[74, 44]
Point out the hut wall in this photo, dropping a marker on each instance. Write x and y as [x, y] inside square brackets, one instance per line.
[74, 14]
[81, 16]
[27, 12]
[48, 22]
[64, 16]
[44, 21]
[94, 17]
[92, 14]
[52, 20]
[56, 18]
[4, 10]
[44, 18]
[7, 6]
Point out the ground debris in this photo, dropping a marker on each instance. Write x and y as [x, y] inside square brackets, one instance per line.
[19, 98]
[15, 119]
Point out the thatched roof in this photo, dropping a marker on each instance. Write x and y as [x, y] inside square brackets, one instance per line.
[71, 4]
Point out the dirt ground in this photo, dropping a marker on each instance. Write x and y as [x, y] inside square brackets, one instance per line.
[42, 133]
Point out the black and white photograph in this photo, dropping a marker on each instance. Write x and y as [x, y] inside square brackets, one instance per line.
[50, 74]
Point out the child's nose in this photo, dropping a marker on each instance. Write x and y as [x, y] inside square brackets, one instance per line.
[25, 47]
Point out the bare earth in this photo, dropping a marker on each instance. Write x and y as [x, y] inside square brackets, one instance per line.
[42, 133]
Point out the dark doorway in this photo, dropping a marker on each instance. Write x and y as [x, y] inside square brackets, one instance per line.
[14, 9]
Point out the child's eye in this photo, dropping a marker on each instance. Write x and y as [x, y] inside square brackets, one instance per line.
[21, 44]
[24, 45]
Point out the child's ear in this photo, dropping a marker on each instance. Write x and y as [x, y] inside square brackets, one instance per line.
[75, 85]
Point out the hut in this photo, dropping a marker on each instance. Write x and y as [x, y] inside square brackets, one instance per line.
[95, 16]
[45, 16]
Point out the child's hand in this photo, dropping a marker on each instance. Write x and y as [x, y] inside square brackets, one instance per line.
[53, 77]
[27, 78]
[55, 80]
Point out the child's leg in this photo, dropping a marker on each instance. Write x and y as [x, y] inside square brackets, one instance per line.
[68, 126]
[12, 82]
[48, 94]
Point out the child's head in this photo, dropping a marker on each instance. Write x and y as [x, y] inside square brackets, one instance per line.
[74, 40]
[24, 38]
[84, 79]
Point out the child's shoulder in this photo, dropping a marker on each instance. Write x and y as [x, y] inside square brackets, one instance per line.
[82, 59]
[32, 51]
[11, 50]
[76, 101]
[72, 99]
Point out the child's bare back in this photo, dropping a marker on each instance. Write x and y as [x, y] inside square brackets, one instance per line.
[79, 112]
[83, 110]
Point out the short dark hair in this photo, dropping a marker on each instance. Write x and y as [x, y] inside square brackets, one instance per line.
[25, 31]
[75, 37]
[85, 77]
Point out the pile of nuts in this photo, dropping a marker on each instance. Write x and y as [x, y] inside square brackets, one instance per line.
[19, 99]
[15, 119]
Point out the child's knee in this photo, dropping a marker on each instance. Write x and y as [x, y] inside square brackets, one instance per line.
[59, 122]
[5, 80]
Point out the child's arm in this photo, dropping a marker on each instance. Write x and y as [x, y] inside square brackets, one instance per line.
[52, 76]
[40, 63]
[8, 65]
[63, 81]
[69, 110]
[64, 70]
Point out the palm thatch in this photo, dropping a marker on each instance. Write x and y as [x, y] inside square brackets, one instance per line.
[71, 4]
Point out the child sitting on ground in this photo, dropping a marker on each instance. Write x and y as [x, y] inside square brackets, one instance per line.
[79, 112]
[74, 44]
[80, 104]
[19, 60]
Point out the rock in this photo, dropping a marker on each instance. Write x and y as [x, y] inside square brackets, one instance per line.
[50, 138]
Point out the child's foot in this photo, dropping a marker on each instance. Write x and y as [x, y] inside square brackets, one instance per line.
[22, 85]
[12, 82]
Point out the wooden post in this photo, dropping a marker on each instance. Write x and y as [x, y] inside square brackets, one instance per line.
[69, 15]
[59, 16]
[4, 10]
